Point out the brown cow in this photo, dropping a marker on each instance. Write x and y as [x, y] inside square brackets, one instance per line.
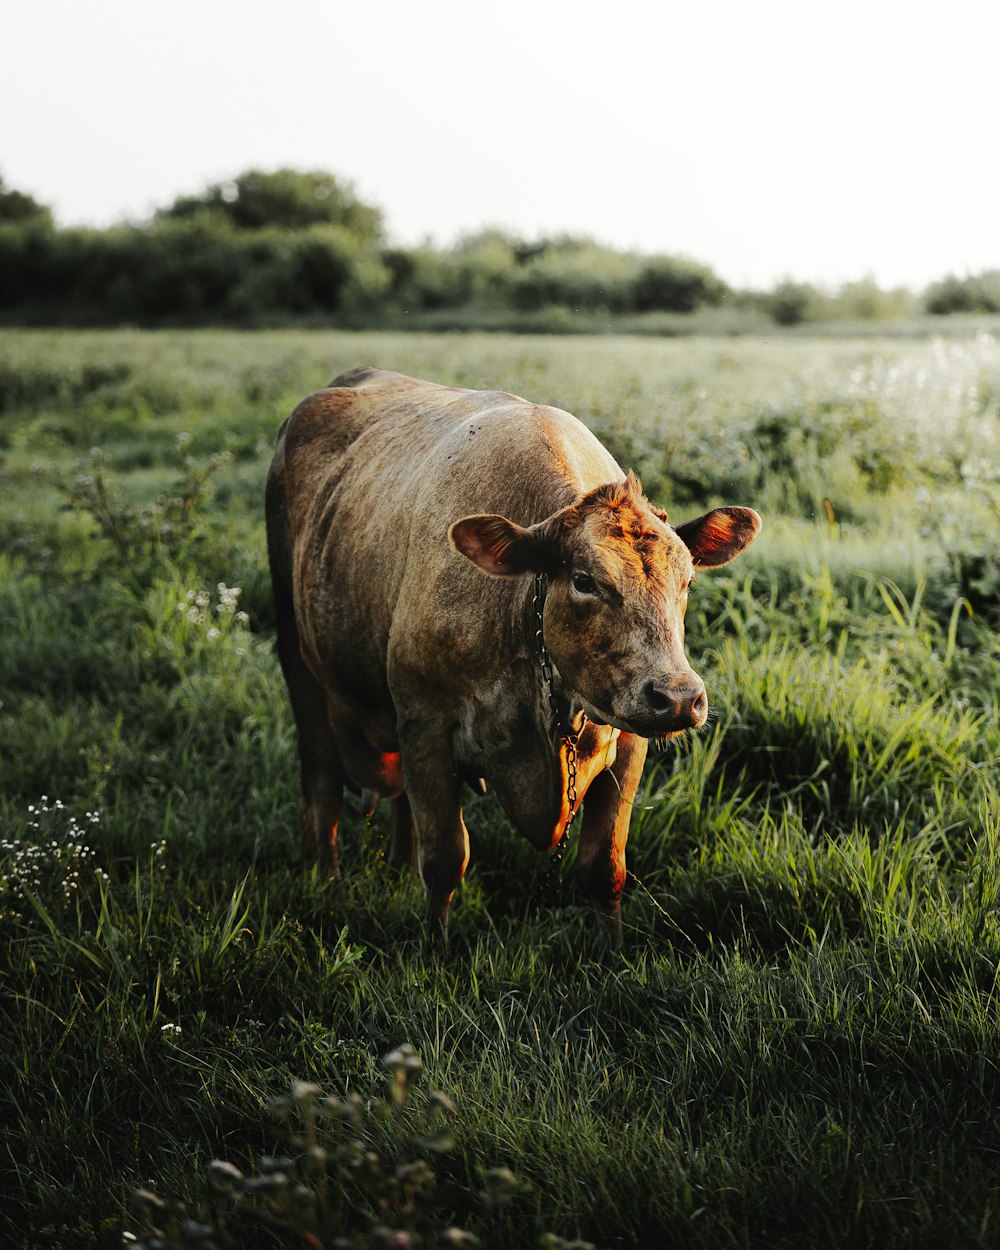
[412, 661]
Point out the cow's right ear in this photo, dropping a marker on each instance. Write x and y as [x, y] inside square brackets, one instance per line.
[719, 536]
[495, 545]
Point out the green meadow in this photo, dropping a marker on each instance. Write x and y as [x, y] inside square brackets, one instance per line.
[799, 1043]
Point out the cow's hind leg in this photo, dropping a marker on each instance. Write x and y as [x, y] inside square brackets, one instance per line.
[607, 811]
[321, 770]
[323, 795]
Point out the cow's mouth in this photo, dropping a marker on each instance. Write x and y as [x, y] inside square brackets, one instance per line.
[641, 728]
[658, 728]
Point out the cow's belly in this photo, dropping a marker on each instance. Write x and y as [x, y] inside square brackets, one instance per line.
[367, 744]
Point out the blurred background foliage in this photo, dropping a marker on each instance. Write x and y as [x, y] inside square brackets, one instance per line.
[300, 247]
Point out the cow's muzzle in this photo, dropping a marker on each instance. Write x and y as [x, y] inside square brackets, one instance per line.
[676, 705]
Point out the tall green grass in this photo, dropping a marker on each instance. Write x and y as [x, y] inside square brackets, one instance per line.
[798, 1045]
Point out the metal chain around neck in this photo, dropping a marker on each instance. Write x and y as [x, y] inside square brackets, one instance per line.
[563, 728]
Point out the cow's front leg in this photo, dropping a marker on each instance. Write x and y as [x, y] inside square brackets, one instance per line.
[432, 783]
[607, 811]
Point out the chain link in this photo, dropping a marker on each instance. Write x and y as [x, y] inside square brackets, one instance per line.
[566, 734]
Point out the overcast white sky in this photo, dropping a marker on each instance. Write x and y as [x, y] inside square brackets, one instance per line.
[774, 138]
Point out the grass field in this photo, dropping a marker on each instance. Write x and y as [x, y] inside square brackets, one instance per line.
[800, 1042]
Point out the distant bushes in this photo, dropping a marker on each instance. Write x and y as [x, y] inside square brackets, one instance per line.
[265, 247]
[201, 267]
[187, 272]
[795, 303]
[974, 294]
[292, 246]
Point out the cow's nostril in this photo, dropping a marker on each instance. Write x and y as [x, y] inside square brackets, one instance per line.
[682, 705]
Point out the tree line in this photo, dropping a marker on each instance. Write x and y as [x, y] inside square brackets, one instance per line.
[300, 246]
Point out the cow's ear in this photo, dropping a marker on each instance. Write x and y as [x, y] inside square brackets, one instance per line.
[719, 536]
[495, 545]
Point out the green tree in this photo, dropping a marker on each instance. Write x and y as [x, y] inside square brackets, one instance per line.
[671, 284]
[425, 278]
[488, 262]
[18, 206]
[865, 300]
[973, 293]
[791, 303]
[577, 274]
[284, 198]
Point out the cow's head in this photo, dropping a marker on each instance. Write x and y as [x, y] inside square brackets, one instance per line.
[618, 579]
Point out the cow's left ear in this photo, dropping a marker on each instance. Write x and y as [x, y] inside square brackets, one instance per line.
[495, 545]
[719, 536]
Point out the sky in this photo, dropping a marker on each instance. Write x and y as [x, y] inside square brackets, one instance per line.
[769, 139]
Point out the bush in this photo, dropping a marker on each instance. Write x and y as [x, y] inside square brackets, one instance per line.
[286, 245]
[18, 206]
[421, 279]
[285, 199]
[972, 294]
[189, 271]
[668, 284]
[790, 302]
[358, 1175]
[575, 274]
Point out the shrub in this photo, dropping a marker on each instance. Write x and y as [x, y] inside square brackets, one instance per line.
[670, 284]
[18, 206]
[576, 274]
[288, 199]
[358, 1175]
[138, 540]
[972, 294]
[789, 303]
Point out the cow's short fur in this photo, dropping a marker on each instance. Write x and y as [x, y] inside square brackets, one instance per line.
[405, 523]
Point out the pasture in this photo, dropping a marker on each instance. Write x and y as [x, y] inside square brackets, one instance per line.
[799, 1044]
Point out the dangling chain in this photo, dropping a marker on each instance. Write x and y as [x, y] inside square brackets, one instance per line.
[564, 730]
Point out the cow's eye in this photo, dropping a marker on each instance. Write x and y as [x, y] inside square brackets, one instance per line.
[584, 584]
